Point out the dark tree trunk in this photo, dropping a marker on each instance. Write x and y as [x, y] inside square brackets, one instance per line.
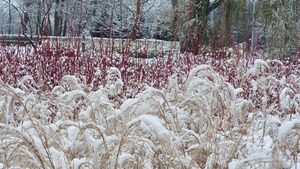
[49, 27]
[64, 33]
[196, 35]
[175, 24]
[38, 26]
[137, 19]
[57, 18]
[9, 17]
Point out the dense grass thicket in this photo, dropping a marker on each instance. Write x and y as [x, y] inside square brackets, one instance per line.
[62, 108]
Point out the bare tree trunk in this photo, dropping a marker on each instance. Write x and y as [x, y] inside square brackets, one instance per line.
[253, 22]
[196, 34]
[49, 27]
[64, 31]
[297, 10]
[175, 24]
[38, 19]
[57, 18]
[66, 16]
[9, 17]
[137, 19]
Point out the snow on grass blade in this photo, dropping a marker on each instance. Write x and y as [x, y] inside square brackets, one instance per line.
[109, 110]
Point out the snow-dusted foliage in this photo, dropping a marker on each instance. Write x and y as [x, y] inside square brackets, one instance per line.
[222, 114]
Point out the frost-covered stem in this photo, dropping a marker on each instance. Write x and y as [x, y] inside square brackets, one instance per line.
[231, 155]
[174, 114]
[45, 142]
[264, 111]
[111, 34]
[296, 152]
[121, 143]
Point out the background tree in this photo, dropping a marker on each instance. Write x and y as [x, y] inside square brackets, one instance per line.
[10, 16]
[107, 18]
[194, 23]
[281, 24]
[137, 19]
[231, 23]
[194, 32]
[57, 18]
[175, 19]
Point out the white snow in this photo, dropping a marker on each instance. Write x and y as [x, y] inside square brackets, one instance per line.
[76, 163]
[73, 133]
[205, 120]
[286, 128]
[125, 157]
[151, 124]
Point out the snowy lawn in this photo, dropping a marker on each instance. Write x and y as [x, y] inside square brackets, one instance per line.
[181, 111]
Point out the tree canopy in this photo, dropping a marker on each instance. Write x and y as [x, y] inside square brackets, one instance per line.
[192, 22]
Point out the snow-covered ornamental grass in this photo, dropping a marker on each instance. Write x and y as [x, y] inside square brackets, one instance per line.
[180, 111]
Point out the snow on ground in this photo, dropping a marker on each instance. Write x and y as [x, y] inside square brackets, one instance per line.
[226, 114]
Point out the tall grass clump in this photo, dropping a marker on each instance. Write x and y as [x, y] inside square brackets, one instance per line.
[204, 119]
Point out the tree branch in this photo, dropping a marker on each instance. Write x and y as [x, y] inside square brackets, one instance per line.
[31, 42]
[45, 16]
[213, 6]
